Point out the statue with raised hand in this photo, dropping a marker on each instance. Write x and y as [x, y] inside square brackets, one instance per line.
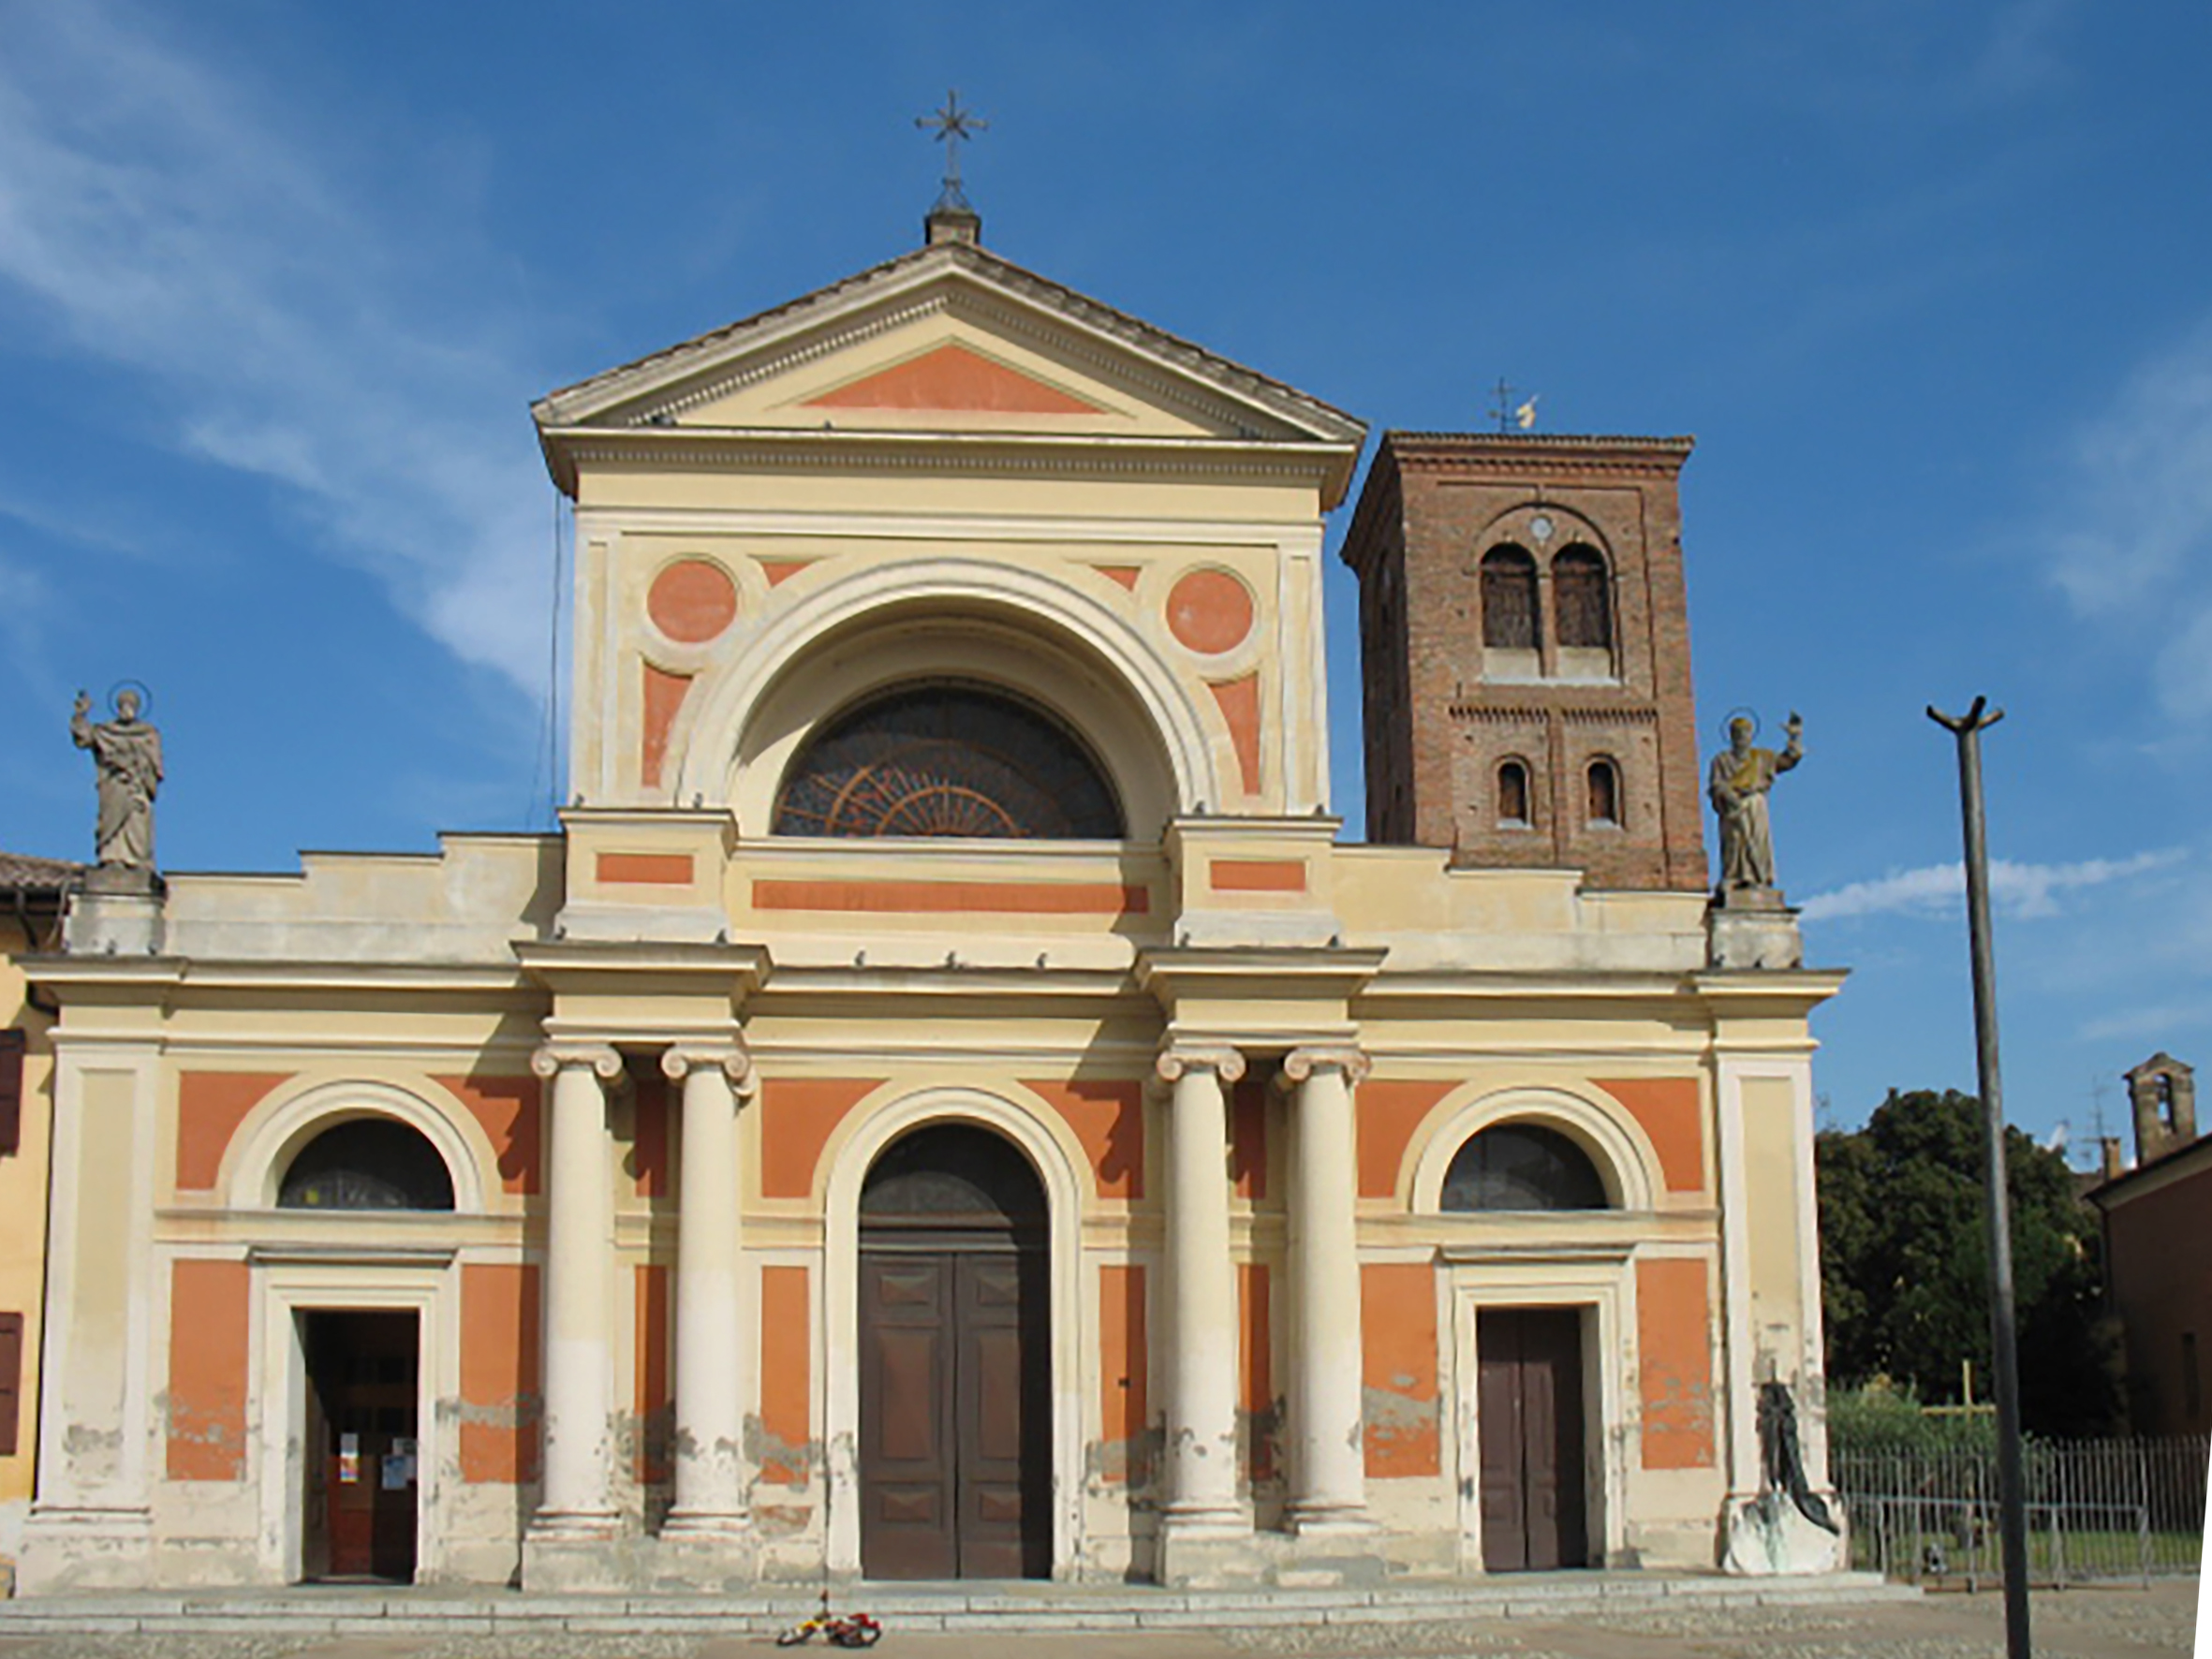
[1737, 783]
[126, 752]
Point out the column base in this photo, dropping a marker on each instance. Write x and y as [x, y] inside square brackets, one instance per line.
[716, 1553]
[85, 1548]
[1349, 1555]
[1324, 1518]
[571, 1549]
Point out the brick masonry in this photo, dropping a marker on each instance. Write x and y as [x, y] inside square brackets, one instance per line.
[1443, 715]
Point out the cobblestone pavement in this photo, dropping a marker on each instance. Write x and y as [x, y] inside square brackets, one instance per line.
[2091, 1623]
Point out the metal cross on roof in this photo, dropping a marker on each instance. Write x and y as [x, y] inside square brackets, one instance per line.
[952, 124]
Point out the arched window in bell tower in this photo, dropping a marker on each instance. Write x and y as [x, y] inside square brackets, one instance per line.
[1604, 793]
[1510, 623]
[1513, 795]
[1581, 598]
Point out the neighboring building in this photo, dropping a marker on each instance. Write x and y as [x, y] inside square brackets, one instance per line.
[31, 895]
[946, 1104]
[2157, 1242]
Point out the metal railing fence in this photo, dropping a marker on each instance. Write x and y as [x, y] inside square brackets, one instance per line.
[2096, 1509]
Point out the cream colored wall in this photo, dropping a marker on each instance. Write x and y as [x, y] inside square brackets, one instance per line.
[23, 1228]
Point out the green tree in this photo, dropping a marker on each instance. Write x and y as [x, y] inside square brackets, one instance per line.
[1905, 1283]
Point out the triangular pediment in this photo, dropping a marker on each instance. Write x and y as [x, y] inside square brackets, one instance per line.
[953, 378]
[947, 339]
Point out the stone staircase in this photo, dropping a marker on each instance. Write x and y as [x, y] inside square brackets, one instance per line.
[1011, 1608]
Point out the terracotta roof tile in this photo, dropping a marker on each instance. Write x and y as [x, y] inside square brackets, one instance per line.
[35, 874]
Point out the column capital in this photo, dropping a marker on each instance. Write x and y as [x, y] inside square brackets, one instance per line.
[555, 1057]
[679, 1060]
[1217, 1058]
[1347, 1058]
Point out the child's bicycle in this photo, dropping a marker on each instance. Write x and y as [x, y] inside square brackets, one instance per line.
[842, 1630]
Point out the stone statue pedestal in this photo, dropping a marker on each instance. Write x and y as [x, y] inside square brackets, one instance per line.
[1749, 927]
[1766, 1537]
[112, 919]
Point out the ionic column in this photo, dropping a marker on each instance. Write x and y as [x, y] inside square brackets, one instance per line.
[1328, 1464]
[579, 1244]
[712, 1387]
[1201, 1451]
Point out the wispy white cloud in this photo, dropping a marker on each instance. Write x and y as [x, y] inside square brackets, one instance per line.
[2139, 508]
[2020, 889]
[161, 217]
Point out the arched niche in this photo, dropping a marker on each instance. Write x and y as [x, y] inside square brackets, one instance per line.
[997, 625]
[1615, 1143]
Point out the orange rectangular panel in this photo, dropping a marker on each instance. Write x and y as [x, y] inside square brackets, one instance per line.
[649, 1133]
[1256, 875]
[656, 1394]
[500, 1403]
[786, 1381]
[954, 897]
[1247, 1138]
[1124, 1406]
[207, 1354]
[797, 1118]
[1398, 1332]
[1671, 1111]
[1255, 1351]
[1674, 1335]
[1389, 1112]
[668, 870]
[508, 1110]
[1108, 1117]
[210, 1106]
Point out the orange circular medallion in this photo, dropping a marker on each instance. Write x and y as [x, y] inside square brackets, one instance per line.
[1210, 611]
[692, 601]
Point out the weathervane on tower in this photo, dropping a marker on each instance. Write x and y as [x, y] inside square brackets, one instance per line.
[953, 125]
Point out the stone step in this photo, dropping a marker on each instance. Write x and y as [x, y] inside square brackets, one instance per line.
[1040, 1608]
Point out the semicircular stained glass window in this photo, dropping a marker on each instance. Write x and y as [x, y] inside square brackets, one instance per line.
[947, 759]
[367, 1163]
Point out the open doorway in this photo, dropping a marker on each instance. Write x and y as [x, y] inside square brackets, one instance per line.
[359, 1510]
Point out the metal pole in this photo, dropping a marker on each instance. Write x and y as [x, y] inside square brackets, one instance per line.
[2012, 1491]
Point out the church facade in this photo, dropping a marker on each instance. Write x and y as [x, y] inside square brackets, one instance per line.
[946, 1103]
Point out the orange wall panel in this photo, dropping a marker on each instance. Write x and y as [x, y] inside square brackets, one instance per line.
[651, 1166]
[1108, 1117]
[797, 1117]
[786, 1375]
[660, 869]
[1389, 1112]
[508, 1110]
[1672, 1112]
[207, 1354]
[1124, 1404]
[664, 695]
[1256, 1354]
[1673, 1332]
[1247, 1138]
[1398, 1330]
[656, 1396]
[1256, 875]
[1239, 700]
[499, 1399]
[954, 377]
[954, 897]
[210, 1106]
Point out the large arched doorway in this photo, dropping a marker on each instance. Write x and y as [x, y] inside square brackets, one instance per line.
[955, 1459]
[360, 1493]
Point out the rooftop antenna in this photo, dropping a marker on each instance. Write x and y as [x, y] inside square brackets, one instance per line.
[953, 211]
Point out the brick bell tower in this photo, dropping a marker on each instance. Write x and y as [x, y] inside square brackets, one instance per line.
[1525, 655]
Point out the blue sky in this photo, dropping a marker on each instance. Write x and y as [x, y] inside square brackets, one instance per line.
[1932, 285]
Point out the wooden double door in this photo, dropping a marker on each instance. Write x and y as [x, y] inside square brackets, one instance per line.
[1529, 1414]
[955, 1406]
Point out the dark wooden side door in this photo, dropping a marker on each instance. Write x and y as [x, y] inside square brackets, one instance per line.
[361, 1487]
[955, 1470]
[1530, 1416]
